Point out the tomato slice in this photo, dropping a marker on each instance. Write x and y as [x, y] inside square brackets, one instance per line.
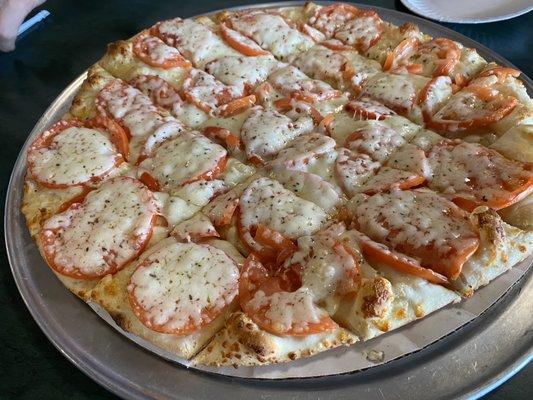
[39, 164]
[267, 244]
[117, 133]
[237, 106]
[366, 108]
[161, 290]
[421, 225]
[480, 176]
[500, 72]
[162, 93]
[150, 182]
[278, 311]
[66, 238]
[329, 18]
[153, 51]
[223, 137]
[240, 43]
[400, 262]
[405, 49]
[446, 52]
[473, 107]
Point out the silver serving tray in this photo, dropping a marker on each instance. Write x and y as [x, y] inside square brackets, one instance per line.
[466, 364]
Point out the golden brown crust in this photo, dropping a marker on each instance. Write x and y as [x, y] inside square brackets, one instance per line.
[375, 304]
[243, 343]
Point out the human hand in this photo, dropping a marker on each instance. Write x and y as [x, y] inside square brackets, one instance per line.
[12, 14]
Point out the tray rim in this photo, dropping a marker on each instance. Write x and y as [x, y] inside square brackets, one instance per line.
[104, 379]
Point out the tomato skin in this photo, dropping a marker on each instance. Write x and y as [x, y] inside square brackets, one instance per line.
[402, 264]
[141, 48]
[248, 50]
[47, 237]
[116, 133]
[255, 277]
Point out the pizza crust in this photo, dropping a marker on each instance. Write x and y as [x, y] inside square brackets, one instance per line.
[111, 294]
[243, 343]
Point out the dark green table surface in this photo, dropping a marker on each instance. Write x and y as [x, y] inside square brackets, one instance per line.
[51, 55]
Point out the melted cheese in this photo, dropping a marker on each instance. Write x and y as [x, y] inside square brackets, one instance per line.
[201, 192]
[385, 179]
[272, 33]
[173, 208]
[323, 268]
[319, 62]
[105, 231]
[377, 140]
[353, 170]
[207, 92]
[194, 40]
[243, 72]
[265, 132]
[268, 203]
[310, 187]
[410, 158]
[290, 79]
[414, 222]
[75, 155]
[199, 226]
[360, 31]
[397, 92]
[177, 285]
[158, 51]
[183, 159]
[469, 169]
[288, 310]
[302, 150]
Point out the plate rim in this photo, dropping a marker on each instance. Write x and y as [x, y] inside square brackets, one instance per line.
[59, 102]
[411, 7]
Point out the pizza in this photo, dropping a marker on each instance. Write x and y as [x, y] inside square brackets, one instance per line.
[263, 185]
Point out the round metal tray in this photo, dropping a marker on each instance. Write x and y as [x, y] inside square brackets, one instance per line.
[466, 364]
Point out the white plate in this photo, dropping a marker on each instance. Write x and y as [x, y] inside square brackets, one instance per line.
[469, 11]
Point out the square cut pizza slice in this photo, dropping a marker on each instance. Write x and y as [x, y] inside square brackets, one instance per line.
[493, 102]
[421, 233]
[178, 294]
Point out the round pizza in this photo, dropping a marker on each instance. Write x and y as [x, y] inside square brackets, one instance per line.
[263, 185]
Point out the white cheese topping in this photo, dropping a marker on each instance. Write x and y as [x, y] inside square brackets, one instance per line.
[302, 150]
[158, 51]
[360, 31]
[265, 132]
[185, 158]
[272, 33]
[207, 92]
[310, 187]
[377, 140]
[319, 62]
[194, 40]
[243, 72]
[199, 226]
[409, 220]
[266, 202]
[324, 269]
[353, 170]
[104, 232]
[175, 287]
[74, 156]
[470, 170]
[290, 79]
[395, 91]
[410, 158]
[288, 310]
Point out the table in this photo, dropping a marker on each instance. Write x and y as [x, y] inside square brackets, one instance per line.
[51, 55]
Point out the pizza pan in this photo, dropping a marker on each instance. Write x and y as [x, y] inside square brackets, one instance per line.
[466, 364]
